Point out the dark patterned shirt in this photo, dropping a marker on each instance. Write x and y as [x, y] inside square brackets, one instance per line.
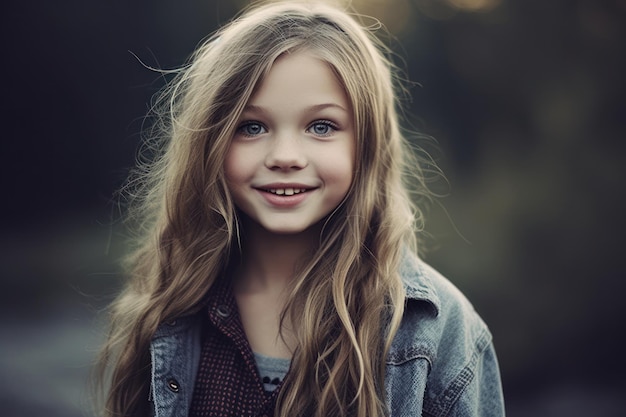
[228, 382]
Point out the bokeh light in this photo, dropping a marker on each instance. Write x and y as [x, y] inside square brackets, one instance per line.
[474, 5]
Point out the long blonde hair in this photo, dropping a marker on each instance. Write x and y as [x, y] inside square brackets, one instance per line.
[348, 299]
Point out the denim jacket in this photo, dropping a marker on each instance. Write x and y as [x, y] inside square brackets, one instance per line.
[441, 363]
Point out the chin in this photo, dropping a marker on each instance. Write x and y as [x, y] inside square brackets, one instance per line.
[286, 230]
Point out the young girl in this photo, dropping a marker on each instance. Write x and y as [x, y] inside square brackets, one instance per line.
[276, 273]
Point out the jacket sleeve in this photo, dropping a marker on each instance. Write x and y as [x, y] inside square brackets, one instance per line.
[482, 397]
[465, 379]
[441, 329]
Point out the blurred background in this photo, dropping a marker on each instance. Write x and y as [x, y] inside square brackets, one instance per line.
[525, 100]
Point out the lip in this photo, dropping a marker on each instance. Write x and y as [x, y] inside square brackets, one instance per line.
[284, 201]
[275, 185]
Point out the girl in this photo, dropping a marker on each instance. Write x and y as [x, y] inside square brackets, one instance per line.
[276, 272]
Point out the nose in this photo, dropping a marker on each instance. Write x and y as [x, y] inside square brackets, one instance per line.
[286, 152]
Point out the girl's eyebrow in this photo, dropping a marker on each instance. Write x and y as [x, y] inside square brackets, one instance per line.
[253, 108]
[323, 106]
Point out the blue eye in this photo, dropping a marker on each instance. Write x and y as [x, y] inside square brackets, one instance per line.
[252, 129]
[323, 128]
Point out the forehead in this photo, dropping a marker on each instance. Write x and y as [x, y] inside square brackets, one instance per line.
[300, 76]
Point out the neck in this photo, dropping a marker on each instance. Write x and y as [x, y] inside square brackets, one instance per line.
[269, 261]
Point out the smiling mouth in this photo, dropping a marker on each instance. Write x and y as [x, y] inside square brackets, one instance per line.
[286, 191]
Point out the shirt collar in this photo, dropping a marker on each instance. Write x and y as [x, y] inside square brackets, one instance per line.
[417, 284]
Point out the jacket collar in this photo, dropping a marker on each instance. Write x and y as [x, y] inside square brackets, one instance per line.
[417, 284]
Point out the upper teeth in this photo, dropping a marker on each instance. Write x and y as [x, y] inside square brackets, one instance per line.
[286, 191]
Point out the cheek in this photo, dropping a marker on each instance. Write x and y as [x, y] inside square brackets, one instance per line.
[234, 169]
[234, 174]
[339, 169]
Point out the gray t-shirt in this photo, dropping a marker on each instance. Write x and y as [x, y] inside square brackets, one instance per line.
[271, 370]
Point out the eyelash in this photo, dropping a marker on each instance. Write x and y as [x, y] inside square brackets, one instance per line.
[242, 128]
[327, 123]
[244, 125]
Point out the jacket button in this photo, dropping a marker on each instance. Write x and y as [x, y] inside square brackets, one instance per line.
[223, 311]
[172, 384]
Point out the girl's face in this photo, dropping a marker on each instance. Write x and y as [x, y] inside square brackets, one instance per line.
[291, 159]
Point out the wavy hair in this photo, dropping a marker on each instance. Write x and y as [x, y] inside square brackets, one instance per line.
[348, 298]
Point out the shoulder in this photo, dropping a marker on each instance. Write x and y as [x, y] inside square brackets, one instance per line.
[437, 311]
[442, 338]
